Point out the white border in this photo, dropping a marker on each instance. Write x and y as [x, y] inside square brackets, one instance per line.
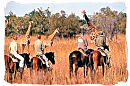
[2, 30]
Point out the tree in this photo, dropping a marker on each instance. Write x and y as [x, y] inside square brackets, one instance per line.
[109, 21]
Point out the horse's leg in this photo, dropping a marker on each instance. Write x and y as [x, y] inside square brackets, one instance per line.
[84, 71]
[103, 69]
[71, 66]
[23, 46]
[14, 70]
[10, 72]
[35, 65]
[11, 66]
[71, 71]
[31, 67]
[10, 76]
[91, 68]
[95, 68]
[76, 69]
[6, 67]
[21, 71]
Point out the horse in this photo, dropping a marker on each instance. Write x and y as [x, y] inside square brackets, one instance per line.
[6, 62]
[37, 63]
[98, 60]
[106, 58]
[79, 60]
[12, 67]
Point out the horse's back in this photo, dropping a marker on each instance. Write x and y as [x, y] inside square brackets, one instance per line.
[6, 61]
[35, 60]
[35, 63]
[96, 56]
[89, 51]
[6, 58]
[75, 53]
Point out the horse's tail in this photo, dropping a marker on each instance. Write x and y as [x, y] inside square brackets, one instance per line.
[10, 65]
[35, 63]
[91, 58]
[71, 60]
[31, 62]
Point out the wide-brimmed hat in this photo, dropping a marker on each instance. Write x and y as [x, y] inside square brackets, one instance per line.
[100, 32]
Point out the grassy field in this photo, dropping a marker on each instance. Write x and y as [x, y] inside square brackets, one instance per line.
[60, 73]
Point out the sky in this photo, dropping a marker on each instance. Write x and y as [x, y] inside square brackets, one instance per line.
[71, 7]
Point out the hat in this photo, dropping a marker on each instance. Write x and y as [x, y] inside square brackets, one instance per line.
[14, 37]
[39, 36]
[83, 12]
[100, 33]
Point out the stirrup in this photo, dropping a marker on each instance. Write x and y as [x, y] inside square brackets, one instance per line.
[14, 59]
[40, 57]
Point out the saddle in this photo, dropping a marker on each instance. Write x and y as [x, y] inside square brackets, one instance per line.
[40, 57]
[102, 52]
[14, 59]
[82, 51]
[80, 60]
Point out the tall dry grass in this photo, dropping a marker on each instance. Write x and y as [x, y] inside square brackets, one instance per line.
[60, 73]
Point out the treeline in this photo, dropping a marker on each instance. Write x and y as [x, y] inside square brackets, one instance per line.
[111, 22]
[44, 22]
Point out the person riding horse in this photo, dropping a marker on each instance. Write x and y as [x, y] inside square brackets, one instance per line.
[101, 44]
[82, 46]
[39, 51]
[14, 52]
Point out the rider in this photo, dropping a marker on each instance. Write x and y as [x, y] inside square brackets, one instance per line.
[39, 50]
[82, 44]
[14, 51]
[101, 43]
[82, 47]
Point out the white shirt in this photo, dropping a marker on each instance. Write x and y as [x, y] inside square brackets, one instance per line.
[13, 47]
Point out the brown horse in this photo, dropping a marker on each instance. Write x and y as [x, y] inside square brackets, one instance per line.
[99, 60]
[6, 62]
[37, 63]
[79, 60]
[12, 67]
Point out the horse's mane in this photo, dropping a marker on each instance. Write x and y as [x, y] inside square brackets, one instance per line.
[106, 47]
[49, 53]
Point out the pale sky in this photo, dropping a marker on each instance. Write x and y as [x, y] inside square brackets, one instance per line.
[71, 7]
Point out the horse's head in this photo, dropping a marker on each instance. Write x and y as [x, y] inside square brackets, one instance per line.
[50, 57]
[26, 59]
[108, 61]
[25, 56]
[106, 47]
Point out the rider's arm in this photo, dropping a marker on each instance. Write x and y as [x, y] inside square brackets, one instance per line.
[18, 47]
[104, 40]
[9, 48]
[34, 46]
[86, 43]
